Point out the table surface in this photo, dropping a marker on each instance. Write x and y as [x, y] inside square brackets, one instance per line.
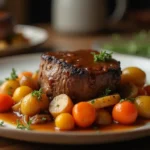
[58, 41]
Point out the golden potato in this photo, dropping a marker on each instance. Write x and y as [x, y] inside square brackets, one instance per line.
[9, 86]
[143, 106]
[30, 105]
[21, 92]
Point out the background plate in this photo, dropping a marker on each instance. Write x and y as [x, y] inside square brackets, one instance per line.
[35, 35]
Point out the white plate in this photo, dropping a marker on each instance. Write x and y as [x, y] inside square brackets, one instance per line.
[31, 63]
[35, 35]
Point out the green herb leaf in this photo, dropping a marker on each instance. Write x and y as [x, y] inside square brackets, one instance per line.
[57, 105]
[37, 93]
[95, 127]
[107, 92]
[44, 119]
[2, 123]
[102, 56]
[1, 82]
[92, 101]
[127, 99]
[13, 75]
[10, 91]
[22, 126]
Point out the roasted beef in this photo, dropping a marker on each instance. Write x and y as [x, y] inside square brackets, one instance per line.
[77, 74]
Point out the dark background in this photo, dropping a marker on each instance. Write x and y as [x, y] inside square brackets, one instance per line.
[39, 7]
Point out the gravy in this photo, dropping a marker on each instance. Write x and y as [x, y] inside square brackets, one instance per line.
[11, 118]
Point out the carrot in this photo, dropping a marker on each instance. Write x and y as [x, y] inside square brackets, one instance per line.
[125, 112]
[6, 102]
[105, 101]
[84, 114]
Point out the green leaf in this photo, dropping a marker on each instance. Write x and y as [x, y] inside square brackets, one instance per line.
[2, 123]
[1, 82]
[22, 126]
[37, 93]
[107, 92]
[102, 56]
[13, 75]
[44, 119]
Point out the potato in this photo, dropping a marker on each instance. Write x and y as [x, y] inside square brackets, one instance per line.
[60, 104]
[30, 105]
[64, 121]
[44, 102]
[105, 101]
[103, 117]
[135, 75]
[27, 81]
[35, 79]
[143, 106]
[20, 92]
[9, 86]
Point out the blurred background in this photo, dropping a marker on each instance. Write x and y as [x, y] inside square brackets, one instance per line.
[74, 24]
[33, 11]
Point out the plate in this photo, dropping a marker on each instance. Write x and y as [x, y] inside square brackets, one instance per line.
[31, 62]
[35, 35]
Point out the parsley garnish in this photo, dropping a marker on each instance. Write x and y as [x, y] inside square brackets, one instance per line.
[57, 105]
[37, 93]
[92, 101]
[1, 82]
[44, 119]
[128, 99]
[10, 91]
[102, 56]
[13, 75]
[22, 126]
[107, 92]
[95, 127]
[1, 123]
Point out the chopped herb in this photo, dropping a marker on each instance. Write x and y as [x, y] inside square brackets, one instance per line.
[10, 91]
[95, 127]
[1, 123]
[22, 126]
[92, 101]
[102, 56]
[37, 93]
[107, 92]
[1, 82]
[57, 105]
[13, 75]
[127, 99]
[44, 119]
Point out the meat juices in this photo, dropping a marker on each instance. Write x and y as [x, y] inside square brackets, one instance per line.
[77, 74]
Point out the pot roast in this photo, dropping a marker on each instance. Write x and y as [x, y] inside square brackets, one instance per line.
[76, 74]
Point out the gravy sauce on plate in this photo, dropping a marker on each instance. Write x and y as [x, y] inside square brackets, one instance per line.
[11, 118]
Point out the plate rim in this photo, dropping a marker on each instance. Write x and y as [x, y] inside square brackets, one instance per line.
[140, 131]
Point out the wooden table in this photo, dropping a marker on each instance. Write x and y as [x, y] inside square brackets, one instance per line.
[59, 41]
